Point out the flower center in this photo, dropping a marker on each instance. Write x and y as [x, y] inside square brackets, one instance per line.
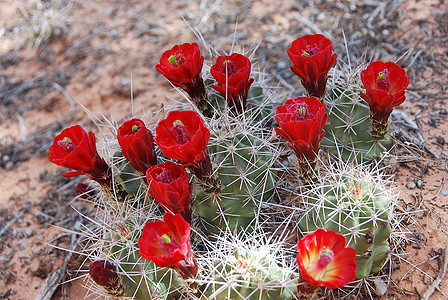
[326, 257]
[176, 59]
[180, 132]
[310, 50]
[67, 144]
[165, 176]
[318, 268]
[383, 80]
[302, 113]
[169, 244]
[229, 67]
[135, 128]
[166, 238]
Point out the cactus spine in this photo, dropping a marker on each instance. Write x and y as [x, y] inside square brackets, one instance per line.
[243, 160]
[354, 202]
[349, 124]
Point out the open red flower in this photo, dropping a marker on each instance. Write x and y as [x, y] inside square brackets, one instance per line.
[183, 136]
[167, 244]
[324, 259]
[301, 121]
[169, 185]
[104, 274]
[182, 66]
[74, 149]
[232, 74]
[385, 85]
[312, 57]
[137, 145]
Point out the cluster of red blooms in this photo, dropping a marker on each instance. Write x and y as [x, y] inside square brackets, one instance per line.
[322, 256]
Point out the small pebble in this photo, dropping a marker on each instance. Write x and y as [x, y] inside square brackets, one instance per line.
[411, 185]
[114, 33]
[29, 232]
[419, 183]
[443, 112]
[444, 192]
[433, 121]
[22, 245]
[282, 65]
[125, 82]
[440, 140]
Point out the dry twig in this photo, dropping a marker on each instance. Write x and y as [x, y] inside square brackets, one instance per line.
[435, 284]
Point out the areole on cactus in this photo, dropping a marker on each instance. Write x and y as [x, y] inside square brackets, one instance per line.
[220, 235]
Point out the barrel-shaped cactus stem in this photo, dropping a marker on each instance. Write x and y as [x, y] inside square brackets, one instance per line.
[247, 266]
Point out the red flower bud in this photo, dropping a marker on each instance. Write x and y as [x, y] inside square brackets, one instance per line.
[84, 191]
[312, 57]
[75, 149]
[167, 244]
[183, 136]
[232, 74]
[385, 85]
[324, 259]
[137, 145]
[182, 66]
[301, 121]
[104, 274]
[169, 185]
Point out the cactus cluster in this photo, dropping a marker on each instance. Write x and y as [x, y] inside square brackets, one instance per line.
[219, 177]
[354, 202]
[349, 124]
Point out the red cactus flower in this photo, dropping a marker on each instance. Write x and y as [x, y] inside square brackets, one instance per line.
[137, 145]
[312, 57]
[74, 149]
[301, 121]
[169, 185]
[183, 136]
[385, 85]
[182, 66]
[324, 259]
[232, 74]
[104, 274]
[167, 244]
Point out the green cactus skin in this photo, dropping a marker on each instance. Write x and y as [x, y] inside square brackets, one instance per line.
[243, 163]
[141, 278]
[247, 267]
[349, 126]
[130, 182]
[357, 208]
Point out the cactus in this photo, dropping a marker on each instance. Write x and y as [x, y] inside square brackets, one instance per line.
[244, 164]
[354, 202]
[349, 124]
[235, 178]
[248, 267]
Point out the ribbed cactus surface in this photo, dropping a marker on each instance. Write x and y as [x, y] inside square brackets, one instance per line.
[243, 160]
[244, 268]
[355, 204]
[349, 123]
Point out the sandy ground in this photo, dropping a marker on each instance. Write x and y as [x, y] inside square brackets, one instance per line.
[86, 69]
